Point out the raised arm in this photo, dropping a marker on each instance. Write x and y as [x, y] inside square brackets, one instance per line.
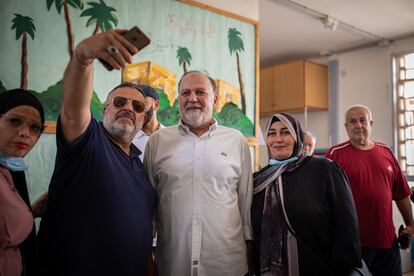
[78, 78]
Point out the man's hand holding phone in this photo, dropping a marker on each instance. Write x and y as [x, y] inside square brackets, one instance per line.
[111, 47]
[134, 36]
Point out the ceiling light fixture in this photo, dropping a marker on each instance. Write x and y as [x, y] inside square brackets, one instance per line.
[326, 53]
[330, 22]
[384, 42]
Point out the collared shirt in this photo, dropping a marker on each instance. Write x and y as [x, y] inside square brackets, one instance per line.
[140, 141]
[205, 188]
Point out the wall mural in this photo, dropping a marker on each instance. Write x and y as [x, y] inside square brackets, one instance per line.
[38, 39]
[196, 38]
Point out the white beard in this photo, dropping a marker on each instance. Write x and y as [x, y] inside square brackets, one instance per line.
[196, 118]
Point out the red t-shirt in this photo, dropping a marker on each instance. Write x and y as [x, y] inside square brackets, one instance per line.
[376, 180]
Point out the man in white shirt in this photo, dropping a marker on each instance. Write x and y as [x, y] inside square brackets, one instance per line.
[152, 103]
[202, 174]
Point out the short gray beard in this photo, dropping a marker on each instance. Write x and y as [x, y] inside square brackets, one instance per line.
[124, 135]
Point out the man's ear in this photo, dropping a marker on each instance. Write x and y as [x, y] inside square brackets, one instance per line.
[156, 104]
[215, 99]
[145, 119]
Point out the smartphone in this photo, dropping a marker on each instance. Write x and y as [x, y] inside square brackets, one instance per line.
[403, 240]
[136, 37]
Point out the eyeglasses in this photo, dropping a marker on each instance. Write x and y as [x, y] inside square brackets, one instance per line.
[122, 101]
[16, 121]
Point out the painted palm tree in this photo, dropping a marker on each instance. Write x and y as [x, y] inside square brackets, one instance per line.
[24, 26]
[236, 45]
[77, 4]
[101, 15]
[184, 57]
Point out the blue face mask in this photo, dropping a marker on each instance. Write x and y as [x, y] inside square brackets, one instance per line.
[15, 164]
[273, 162]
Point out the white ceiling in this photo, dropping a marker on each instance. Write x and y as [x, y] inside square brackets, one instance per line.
[292, 30]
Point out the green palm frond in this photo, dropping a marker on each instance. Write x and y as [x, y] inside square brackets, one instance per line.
[101, 14]
[183, 55]
[49, 4]
[58, 5]
[90, 21]
[23, 24]
[77, 4]
[235, 40]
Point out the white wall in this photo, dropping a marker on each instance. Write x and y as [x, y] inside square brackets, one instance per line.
[366, 78]
[245, 8]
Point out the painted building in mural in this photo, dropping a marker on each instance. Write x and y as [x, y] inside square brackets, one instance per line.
[227, 93]
[147, 72]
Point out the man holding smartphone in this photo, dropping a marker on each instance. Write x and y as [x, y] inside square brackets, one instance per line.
[98, 219]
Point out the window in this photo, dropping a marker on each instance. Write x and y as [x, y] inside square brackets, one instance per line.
[405, 112]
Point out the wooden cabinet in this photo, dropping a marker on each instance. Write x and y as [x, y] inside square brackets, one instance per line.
[293, 86]
[266, 79]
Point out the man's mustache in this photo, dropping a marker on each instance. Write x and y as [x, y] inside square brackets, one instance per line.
[193, 105]
[126, 113]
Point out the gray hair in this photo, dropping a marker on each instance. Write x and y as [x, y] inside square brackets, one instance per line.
[359, 106]
[204, 73]
[125, 84]
[309, 133]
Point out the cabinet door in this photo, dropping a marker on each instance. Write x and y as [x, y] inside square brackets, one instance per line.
[288, 86]
[266, 90]
[316, 85]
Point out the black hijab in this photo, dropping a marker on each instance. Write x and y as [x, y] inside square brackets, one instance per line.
[17, 97]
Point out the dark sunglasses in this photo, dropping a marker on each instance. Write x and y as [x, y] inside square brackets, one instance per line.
[16, 121]
[119, 102]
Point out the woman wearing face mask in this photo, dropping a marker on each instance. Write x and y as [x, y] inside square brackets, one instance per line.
[303, 215]
[21, 124]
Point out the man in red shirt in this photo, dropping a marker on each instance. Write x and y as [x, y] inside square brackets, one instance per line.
[376, 180]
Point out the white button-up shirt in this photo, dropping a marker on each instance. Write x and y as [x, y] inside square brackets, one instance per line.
[140, 141]
[204, 185]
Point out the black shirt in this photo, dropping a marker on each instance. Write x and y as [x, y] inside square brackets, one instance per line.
[100, 208]
[321, 210]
